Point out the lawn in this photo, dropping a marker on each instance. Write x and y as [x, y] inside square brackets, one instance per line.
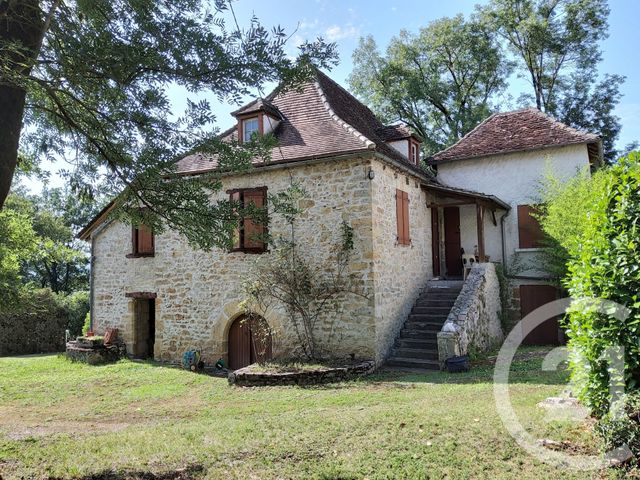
[59, 419]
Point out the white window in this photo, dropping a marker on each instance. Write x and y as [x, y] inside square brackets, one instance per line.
[249, 127]
[414, 153]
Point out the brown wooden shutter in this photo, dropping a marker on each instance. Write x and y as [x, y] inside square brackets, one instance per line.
[529, 230]
[253, 231]
[405, 218]
[145, 242]
[236, 199]
[399, 217]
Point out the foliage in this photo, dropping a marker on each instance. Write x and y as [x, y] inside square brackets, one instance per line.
[288, 277]
[86, 326]
[442, 81]
[89, 80]
[605, 264]
[557, 47]
[565, 213]
[18, 244]
[621, 426]
[47, 253]
[76, 306]
[34, 323]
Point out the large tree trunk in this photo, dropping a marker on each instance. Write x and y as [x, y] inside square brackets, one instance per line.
[20, 21]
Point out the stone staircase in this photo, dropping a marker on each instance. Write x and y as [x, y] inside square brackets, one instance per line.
[417, 345]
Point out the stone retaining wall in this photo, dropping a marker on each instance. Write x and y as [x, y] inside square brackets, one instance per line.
[247, 377]
[474, 320]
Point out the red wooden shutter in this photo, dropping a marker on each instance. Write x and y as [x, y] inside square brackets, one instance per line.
[405, 218]
[145, 242]
[253, 230]
[236, 200]
[529, 230]
[399, 217]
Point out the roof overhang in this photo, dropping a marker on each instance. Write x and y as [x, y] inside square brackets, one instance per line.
[467, 196]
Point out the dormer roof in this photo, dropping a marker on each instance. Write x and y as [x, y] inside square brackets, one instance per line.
[259, 105]
[319, 119]
[390, 133]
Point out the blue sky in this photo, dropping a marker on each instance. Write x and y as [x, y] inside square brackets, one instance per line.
[344, 22]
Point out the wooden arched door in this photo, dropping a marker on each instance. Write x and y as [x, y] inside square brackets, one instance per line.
[249, 341]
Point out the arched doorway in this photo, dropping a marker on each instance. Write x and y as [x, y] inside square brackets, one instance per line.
[249, 341]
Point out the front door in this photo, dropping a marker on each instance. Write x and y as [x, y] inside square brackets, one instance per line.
[145, 328]
[435, 241]
[249, 341]
[452, 243]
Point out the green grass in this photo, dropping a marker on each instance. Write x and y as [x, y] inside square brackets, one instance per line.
[67, 419]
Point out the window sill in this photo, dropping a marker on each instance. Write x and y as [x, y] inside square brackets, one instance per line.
[140, 255]
[404, 244]
[529, 250]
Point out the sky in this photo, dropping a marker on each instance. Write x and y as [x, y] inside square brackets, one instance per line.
[345, 21]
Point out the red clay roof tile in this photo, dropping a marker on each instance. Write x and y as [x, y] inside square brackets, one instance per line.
[527, 129]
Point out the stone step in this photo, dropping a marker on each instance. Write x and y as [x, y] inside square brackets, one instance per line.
[429, 326]
[414, 363]
[426, 354]
[431, 335]
[424, 343]
[431, 309]
[428, 317]
[437, 298]
[435, 303]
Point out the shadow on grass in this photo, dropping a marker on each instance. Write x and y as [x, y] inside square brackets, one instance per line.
[189, 473]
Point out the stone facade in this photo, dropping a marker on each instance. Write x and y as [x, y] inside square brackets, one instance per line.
[400, 272]
[198, 293]
[474, 320]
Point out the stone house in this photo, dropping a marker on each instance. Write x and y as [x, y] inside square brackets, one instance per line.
[412, 231]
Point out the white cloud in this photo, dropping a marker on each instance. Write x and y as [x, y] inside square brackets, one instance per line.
[336, 32]
[309, 24]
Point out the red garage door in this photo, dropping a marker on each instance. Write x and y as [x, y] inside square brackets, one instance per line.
[532, 297]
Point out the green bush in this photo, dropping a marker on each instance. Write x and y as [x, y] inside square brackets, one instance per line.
[36, 320]
[87, 324]
[605, 264]
[621, 426]
[76, 306]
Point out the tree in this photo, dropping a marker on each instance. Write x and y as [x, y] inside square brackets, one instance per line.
[89, 80]
[442, 82]
[52, 257]
[557, 46]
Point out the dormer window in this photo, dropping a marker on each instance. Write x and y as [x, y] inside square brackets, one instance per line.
[250, 126]
[414, 154]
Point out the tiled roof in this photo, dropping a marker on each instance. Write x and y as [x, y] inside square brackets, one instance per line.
[321, 119]
[527, 129]
[257, 105]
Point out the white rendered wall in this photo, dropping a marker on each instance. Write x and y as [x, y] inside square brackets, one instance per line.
[515, 179]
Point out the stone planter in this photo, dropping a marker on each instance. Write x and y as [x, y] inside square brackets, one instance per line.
[247, 377]
[94, 354]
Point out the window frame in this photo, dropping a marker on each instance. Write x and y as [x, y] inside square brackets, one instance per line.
[414, 147]
[240, 232]
[530, 232]
[243, 121]
[135, 243]
[403, 223]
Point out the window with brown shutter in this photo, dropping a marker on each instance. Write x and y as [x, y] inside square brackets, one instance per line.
[529, 230]
[142, 240]
[402, 218]
[249, 237]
